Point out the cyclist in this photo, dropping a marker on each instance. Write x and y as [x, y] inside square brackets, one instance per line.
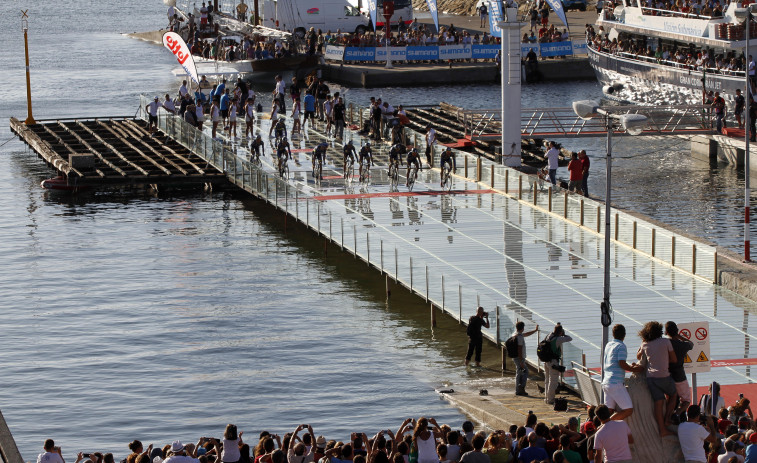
[365, 153]
[349, 151]
[319, 153]
[283, 152]
[448, 157]
[395, 154]
[280, 129]
[257, 147]
[412, 158]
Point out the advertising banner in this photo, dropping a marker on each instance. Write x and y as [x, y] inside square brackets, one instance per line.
[485, 51]
[434, 13]
[455, 52]
[397, 53]
[556, 49]
[334, 53]
[372, 10]
[422, 53]
[359, 54]
[495, 16]
[558, 9]
[178, 47]
[579, 47]
[526, 47]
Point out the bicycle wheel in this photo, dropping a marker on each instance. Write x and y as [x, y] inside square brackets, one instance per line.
[393, 174]
[411, 178]
[447, 178]
[348, 171]
[317, 172]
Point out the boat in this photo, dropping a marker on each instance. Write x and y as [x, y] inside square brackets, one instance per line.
[652, 55]
[60, 183]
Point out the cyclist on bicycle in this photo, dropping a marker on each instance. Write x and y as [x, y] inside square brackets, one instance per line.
[365, 153]
[257, 147]
[349, 151]
[412, 158]
[283, 152]
[395, 152]
[280, 129]
[319, 153]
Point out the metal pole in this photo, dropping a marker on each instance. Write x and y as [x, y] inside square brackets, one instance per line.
[381, 252]
[694, 375]
[605, 305]
[341, 220]
[396, 267]
[442, 292]
[427, 283]
[497, 313]
[459, 303]
[747, 138]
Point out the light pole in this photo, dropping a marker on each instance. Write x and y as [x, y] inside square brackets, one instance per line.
[633, 124]
[25, 27]
[746, 13]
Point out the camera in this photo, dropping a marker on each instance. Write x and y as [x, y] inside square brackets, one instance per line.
[486, 314]
[86, 455]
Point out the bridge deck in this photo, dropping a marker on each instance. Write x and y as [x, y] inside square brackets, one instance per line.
[479, 245]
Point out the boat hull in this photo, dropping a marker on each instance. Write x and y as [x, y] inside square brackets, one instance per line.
[653, 84]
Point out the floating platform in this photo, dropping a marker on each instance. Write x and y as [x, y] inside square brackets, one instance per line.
[114, 152]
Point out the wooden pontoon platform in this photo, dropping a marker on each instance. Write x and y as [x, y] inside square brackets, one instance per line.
[113, 152]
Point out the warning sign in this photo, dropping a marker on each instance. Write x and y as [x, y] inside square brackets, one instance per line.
[699, 334]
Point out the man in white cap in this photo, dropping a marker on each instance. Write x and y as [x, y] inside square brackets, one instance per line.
[179, 455]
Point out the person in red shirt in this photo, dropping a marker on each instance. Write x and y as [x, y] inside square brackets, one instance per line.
[575, 168]
[585, 177]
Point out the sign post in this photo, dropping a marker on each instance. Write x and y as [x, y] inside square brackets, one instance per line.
[388, 12]
[698, 359]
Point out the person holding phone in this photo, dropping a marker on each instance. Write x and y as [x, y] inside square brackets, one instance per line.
[692, 435]
[52, 454]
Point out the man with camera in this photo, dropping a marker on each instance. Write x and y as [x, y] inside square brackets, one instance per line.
[692, 434]
[552, 368]
[52, 454]
[475, 337]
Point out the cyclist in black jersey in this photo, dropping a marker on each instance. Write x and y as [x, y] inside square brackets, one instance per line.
[319, 153]
[283, 153]
[412, 158]
[280, 129]
[396, 152]
[349, 151]
[448, 157]
[256, 146]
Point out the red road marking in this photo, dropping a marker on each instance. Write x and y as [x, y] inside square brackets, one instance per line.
[301, 150]
[733, 362]
[701, 334]
[391, 194]
[685, 333]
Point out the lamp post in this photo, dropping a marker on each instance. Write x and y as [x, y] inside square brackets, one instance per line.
[633, 124]
[25, 27]
[746, 13]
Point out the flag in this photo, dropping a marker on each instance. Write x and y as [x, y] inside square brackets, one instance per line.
[558, 9]
[434, 13]
[178, 47]
[372, 11]
[495, 17]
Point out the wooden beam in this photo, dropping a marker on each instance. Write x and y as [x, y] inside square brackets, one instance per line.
[127, 143]
[134, 126]
[94, 151]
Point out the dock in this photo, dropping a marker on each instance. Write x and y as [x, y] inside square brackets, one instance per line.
[114, 152]
[500, 239]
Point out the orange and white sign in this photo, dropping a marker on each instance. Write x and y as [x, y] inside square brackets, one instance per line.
[178, 47]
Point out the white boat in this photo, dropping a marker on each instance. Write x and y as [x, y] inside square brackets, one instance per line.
[636, 77]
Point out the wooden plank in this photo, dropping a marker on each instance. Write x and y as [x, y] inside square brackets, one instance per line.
[70, 149]
[127, 143]
[8, 447]
[118, 128]
[110, 147]
[94, 151]
[131, 124]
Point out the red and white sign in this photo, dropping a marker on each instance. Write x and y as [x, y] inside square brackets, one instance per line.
[178, 47]
[698, 358]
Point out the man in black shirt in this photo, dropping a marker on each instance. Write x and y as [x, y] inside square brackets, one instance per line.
[475, 338]
[681, 346]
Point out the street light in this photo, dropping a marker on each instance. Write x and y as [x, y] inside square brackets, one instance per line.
[746, 13]
[633, 124]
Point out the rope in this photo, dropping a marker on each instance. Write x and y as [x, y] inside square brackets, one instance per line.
[6, 141]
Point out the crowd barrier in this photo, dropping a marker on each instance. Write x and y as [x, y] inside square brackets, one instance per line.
[446, 52]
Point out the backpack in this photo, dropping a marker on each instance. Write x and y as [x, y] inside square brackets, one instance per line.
[469, 329]
[546, 350]
[512, 347]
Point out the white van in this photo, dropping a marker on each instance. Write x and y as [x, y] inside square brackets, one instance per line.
[300, 15]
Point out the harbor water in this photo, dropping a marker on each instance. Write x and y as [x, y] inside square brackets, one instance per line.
[159, 318]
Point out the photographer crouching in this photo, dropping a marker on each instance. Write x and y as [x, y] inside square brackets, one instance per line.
[475, 338]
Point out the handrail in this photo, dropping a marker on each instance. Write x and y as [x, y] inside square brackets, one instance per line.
[636, 57]
[679, 14]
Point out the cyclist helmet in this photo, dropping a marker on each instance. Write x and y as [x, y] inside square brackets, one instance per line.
[349, 142]
[258, 137]
[283, 139]
[414, 150]
[449, 149]
[367, 144]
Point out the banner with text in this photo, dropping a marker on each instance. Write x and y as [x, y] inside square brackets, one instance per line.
[485, 51]
[455, 52]
[359, 54]
[334, 53]
[495, 16]
[434, 13]
[555, 49]
[422, 53]
[397, 53]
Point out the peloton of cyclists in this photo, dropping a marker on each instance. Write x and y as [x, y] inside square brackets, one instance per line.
[365, 153]
[257, 147]
[319, 153]
[412, 158]
[349, 151]
[448, 157]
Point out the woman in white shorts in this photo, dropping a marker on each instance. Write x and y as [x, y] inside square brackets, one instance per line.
[215, 117]
[249, 117]
[296, 115]
[233, 108]
[199, 112]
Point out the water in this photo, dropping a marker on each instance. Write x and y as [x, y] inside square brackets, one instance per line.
[130, 316]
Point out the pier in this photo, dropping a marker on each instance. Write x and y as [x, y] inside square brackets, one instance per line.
[499, 239]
